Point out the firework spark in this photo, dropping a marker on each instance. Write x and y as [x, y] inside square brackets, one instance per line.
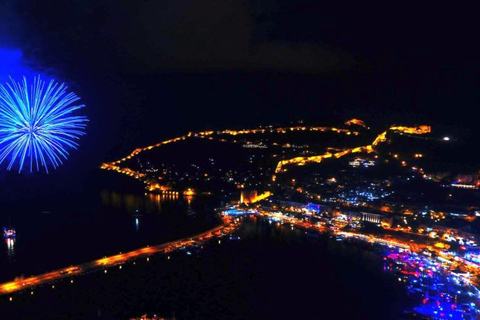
[37, 125]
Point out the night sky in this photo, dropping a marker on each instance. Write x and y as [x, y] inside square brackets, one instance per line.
[149, 70]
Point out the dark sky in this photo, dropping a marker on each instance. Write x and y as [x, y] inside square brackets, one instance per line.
[153, 69]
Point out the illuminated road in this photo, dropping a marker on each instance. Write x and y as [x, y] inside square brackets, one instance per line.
[299, 161]
[228, 226]
[382, 137]
[205, 134]
[114, 166]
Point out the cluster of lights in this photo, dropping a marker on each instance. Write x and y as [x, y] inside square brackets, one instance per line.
[300, 161]
[205, 134]
[444, 294]
[114, 166]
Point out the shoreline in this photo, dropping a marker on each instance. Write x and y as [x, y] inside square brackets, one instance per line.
[228, 226]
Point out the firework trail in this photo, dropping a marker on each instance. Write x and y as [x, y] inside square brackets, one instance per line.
[37, 124]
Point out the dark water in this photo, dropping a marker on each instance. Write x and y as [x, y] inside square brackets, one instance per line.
[273, 272]
[59, 230]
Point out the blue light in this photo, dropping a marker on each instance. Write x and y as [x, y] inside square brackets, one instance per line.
[37, 125]
[13, 64]
[234, 212]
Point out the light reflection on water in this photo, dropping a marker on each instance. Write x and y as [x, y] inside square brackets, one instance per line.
[136, 203]
[55, 236]
[258, 247]
[10, 249]
[137, 224]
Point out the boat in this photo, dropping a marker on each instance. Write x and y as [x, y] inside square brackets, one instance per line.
[9, 232]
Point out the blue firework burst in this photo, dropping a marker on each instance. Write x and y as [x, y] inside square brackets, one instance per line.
[37, 124]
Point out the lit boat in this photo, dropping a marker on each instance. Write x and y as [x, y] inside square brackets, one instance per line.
[9, 233]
